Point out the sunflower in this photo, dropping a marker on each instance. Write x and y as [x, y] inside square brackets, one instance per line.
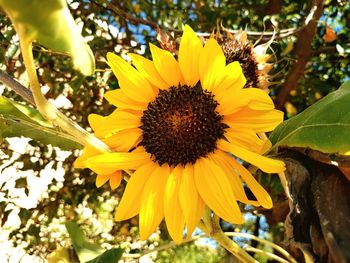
[252, 58]
[178, 129]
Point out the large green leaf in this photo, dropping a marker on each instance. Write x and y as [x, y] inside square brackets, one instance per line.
[18, 120]
[110, 256]
[11, 108]
[85, 250]
[51, 24]
[324, 126]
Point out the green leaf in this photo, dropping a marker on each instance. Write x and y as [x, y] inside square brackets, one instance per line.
[51, 24]
[85, 250]
[19, 120]
[11, 108]
[110, 256]
[324, 126]
[15, 127]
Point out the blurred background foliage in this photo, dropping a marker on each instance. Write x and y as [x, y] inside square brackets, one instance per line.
[39, 188]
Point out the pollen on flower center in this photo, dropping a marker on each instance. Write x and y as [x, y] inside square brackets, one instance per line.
[181, 125]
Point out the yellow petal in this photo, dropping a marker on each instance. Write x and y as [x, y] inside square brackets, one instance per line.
[215, 189]
[117, 121]
[189, 53]
[236, 184]
[124, 140]
[246, 138]
[266, 164]
[172, 210]
[260, 100]
[130, 203]
[259, 192]
[191, 203]
[152, 204]
[108, 163]
[115, 179]
[167, 66]
[228, 106]
[88, 151]
[118, 98]
[133, 84]
[96, 121]
[230, 80]
[231, 100]
[211, 64]
[258, 121]
[148, 70]
[101, 179]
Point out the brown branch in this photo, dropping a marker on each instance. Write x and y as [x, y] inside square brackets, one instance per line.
[13, 84]
[132, 19]
[253, 34]
[327, 50]
[273, 7]
[129, 17]
[303, 52]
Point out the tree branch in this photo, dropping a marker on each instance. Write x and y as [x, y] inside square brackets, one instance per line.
[253, 34]
[303, 52]
[133, 20]
[327, 50]
[13, 84]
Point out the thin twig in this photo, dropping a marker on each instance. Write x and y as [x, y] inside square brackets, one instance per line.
[266, 242]
[137, 21]
[17, 87]
[328, 50]
[268, 254]
[133, 20]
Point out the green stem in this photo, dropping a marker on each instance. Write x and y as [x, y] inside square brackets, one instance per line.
[49, 111]
[266, 254]
[207, 219]
[219, 236]
[263, 241]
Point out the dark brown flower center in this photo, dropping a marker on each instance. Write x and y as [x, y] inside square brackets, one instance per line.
[236, 51]
[181, 125]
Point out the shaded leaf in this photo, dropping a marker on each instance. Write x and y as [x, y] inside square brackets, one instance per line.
[85, 250]
[319, 198]
[19, 120]
[77, 82]
[110, 256]
[324, 126]
[289, 48]
[11, 108]
[51, 24]
[333, 210]
[15, 127]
